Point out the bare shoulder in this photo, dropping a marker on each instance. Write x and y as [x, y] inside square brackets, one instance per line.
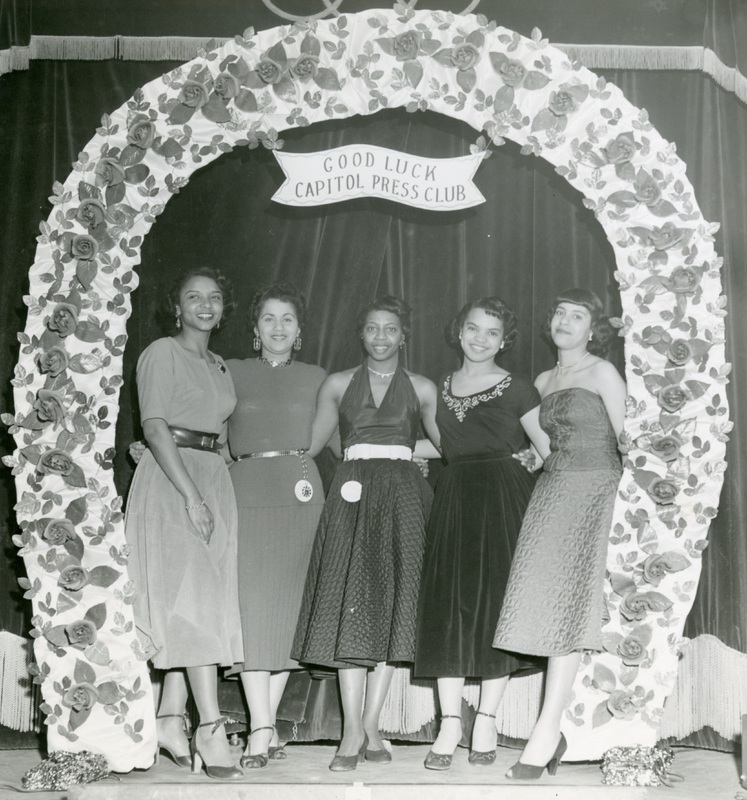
[541, 381]
[605, 372]
[421, 383]
[337, 382]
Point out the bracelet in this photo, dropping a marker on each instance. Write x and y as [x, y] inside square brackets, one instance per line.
[194, 508]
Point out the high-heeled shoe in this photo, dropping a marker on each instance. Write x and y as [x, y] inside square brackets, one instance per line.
[260, 759]
[440, 761]
[347, 763]
[180, 761]
[482, 758]
[530, 772]
[277, 753]
[217, 772]
[377, 756]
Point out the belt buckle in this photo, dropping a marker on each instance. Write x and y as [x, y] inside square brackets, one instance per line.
[206, 443]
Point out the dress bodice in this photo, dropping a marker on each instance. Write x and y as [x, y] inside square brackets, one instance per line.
[275, 406]
[182, 389]
[396, 421]
[487, 423]
[581, 435]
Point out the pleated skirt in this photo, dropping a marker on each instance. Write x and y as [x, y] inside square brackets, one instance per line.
[276, 534]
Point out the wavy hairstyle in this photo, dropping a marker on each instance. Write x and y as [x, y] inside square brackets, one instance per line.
[394, 305]
[286, 292]
[490, 305]
[603, 333]
[167, 311]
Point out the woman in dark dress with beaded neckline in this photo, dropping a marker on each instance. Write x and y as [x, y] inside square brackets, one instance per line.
[484, 414]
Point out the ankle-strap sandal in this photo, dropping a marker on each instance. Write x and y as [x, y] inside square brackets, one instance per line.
[218, 772]
[482, 758]
[261, 759]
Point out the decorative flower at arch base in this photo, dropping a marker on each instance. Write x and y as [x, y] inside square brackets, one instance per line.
[92, 673]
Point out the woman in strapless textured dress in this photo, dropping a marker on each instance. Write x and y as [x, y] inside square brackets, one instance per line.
[554, 599]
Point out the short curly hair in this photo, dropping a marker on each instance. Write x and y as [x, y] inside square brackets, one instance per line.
[172, 299]
[496, 308]
[603, 333]
[394, 305]
[286, 292]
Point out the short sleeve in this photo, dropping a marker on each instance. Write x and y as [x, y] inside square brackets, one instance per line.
[155, 381]
[527, 396]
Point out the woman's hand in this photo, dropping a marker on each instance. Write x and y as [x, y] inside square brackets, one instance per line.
[136, 451]
[166, 453]
[422, 464]
[201, 518]
[528, 459]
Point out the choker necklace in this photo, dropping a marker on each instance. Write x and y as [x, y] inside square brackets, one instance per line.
[273, 364]
[571, 366]
[381, 374]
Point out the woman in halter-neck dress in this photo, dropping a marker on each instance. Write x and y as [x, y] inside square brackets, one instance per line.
[554, 599]
[360, 600]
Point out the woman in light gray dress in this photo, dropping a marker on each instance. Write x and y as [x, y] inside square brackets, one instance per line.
[181, 522]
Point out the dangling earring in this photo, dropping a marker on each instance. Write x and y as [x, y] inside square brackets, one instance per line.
[591, 336]
[178, 321]
[401, 344]
[297, 342]
[257, 343]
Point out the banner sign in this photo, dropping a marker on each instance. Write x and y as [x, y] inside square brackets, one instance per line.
[329, 176]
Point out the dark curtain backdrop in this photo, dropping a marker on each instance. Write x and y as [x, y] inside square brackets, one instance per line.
[532, 238]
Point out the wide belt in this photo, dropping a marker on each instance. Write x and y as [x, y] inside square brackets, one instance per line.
[197, 440]
[394, 452]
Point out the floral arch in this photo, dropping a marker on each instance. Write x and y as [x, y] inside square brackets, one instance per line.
[93, 678]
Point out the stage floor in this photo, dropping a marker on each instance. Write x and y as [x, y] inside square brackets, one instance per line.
[304, 775]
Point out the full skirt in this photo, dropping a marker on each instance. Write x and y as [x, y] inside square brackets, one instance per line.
[187, 605]
[361, 593]
[474, 525]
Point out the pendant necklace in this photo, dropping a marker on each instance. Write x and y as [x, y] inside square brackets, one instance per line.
[571, 366]
[382, 374]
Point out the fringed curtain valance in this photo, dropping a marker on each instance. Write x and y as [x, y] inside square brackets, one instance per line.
[710, 37]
